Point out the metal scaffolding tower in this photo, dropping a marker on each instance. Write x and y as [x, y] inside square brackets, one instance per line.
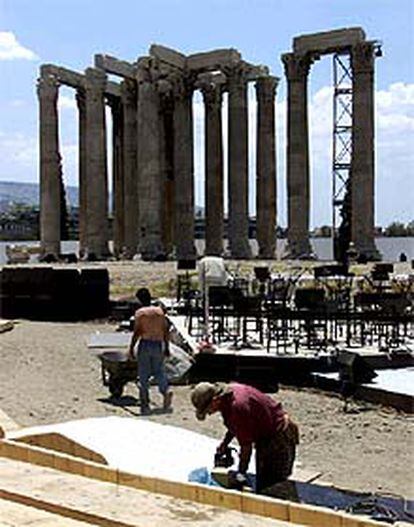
[342, 151]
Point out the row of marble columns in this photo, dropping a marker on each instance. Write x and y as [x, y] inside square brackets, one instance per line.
[297, 67]
[153, 165]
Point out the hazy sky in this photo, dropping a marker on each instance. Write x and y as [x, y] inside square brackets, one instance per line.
[70, 32]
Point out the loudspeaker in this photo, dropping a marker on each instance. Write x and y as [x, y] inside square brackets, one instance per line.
[187, 265]
[330, 270]
[384, 267]
[219, 296]
[309, 298]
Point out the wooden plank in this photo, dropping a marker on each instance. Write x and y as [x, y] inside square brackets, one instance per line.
[259, 505]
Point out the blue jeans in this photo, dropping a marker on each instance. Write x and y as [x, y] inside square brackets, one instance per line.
[151, 362]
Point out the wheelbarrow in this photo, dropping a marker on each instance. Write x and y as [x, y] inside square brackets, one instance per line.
[117, 369]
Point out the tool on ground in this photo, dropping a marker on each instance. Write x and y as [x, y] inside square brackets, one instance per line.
[224, 459]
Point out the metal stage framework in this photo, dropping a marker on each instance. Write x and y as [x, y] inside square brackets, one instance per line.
[342, 149]
[341, 141]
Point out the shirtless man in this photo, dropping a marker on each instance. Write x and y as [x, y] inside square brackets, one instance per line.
[151, 328]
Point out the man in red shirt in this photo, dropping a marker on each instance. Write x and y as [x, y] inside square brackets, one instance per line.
[254, 419]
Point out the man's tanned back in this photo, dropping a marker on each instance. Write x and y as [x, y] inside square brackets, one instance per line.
[151, 323]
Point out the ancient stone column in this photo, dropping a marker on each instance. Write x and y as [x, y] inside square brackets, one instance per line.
[50, 165]
[118, 205]
[266, 167]
[238, 187]
[297, 69]
[212, 94]
[129, 150]
[183, 170]
[362, 163]
[80, 99]
[149, 151]
[96, 166]
[167, 161]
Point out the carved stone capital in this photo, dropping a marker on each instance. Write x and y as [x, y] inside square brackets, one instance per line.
[47, 87]
[181, 85]
[237, 76]
[363, 57]
[211, 86]
[212, 95]
[143, 72]
[296, 66]
[164, 87]
[166, 93]
[128, 92]
[266, 88]
[80, 99]
[95, 81]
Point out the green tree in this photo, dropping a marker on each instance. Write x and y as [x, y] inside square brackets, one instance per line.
[395, 228]
[410, 228]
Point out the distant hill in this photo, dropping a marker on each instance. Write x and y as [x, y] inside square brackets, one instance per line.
[28, 193]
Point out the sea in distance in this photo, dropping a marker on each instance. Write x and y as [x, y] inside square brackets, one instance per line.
[390, 248]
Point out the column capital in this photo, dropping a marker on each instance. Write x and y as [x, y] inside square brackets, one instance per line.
[143, 72]
[237, 76]
[182, 86]
[128, 91]
[80, 98]
[266, 87]
[211, 86]
[164, 87]
[165, 91]
[363, 57]
[296, 66]
[95, 80]
[47, 86]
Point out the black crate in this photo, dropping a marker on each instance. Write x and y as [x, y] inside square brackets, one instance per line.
[67, 298]
[94, 293]
[309, 298]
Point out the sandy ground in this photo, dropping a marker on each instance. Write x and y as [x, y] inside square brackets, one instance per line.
[48, 375]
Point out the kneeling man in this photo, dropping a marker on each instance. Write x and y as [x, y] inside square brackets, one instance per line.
[254, 419]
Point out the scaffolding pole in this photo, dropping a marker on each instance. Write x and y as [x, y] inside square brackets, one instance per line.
[342, 153]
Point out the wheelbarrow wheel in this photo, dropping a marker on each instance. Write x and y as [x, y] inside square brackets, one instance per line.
[116, 388]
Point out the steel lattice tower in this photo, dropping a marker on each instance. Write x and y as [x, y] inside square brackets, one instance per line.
[342, 152]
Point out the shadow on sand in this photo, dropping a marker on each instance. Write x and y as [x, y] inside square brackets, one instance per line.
[131, 405]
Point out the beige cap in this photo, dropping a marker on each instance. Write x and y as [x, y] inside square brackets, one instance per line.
[203, 394]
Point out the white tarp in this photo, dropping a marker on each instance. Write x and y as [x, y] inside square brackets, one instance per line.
[139, 446]
[399, 380]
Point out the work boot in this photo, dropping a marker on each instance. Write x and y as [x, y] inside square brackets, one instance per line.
[145, 404]
[167, 401]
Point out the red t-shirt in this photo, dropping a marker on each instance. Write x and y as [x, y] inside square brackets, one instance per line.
[250, 414]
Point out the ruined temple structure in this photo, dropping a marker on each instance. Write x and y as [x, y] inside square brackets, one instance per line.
[153, 145]
[153, 166]
[306, 50]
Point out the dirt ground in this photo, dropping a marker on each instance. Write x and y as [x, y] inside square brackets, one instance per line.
[48, 375]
